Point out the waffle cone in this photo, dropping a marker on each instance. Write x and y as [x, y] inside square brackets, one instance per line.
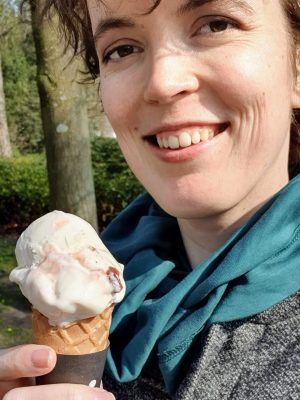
[86, 336]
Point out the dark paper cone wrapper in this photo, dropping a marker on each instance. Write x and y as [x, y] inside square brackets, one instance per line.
[86, 369]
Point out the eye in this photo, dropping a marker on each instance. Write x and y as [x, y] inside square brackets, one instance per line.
[217, 25]
[119, 52]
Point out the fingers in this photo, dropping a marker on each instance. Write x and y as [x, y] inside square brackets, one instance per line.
[60, 391]
[6, 386]
[26, 361]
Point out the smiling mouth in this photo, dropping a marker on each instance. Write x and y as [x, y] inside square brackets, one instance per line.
[186, 137]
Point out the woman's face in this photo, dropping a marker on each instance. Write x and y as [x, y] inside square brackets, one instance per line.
[199, 93]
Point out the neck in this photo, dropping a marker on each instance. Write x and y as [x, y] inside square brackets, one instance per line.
[202, 236]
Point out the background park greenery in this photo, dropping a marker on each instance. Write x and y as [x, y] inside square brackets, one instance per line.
[28, 186]
[24, 191]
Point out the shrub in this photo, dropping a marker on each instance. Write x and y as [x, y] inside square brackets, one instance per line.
[24, 191]
[115, 185]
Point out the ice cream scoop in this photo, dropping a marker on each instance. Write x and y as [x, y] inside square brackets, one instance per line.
[73, 282]
[64, 269]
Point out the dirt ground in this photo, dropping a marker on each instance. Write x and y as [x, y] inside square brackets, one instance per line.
[15, 310]
[15, 316]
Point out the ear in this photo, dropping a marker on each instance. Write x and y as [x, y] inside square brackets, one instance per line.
[296, 88]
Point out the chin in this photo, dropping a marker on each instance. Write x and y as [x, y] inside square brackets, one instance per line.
[184, 208]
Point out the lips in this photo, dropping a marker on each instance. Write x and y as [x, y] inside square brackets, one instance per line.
[172, 138]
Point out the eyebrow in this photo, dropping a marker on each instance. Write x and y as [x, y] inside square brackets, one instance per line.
[112, 23]
[191, 5]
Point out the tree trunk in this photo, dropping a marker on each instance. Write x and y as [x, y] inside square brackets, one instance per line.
[5, 147]
[65, 122]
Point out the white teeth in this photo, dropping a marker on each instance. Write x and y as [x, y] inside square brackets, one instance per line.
[166, 143]
[160, 142]
[185, 139]
[205, 133]
[173, 142]
[196, 137]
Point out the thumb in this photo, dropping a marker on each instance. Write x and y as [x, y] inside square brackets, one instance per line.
[26, 361]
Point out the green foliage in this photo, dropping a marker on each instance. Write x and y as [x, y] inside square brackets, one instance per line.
[19, 75]
[7, 16]
[7, 255]
[106, 155]
[115, 185]
[14, 336]
[24, 192]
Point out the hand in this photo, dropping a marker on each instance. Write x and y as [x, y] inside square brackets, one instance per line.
[18, 367]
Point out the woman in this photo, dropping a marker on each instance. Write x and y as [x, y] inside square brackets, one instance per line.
[201, 96]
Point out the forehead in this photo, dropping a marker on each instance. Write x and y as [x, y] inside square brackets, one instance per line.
[135, 11]
[112, 6]
[144, 6]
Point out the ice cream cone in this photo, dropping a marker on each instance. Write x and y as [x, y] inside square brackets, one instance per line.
[67, 273]
[86, 336]
[80, 346]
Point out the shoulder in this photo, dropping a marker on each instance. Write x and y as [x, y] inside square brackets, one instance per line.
[254, 358]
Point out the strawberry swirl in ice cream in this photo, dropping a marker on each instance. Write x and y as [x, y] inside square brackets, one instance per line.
[64, 269]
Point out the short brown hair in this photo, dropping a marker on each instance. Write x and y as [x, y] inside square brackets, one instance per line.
[76, 27]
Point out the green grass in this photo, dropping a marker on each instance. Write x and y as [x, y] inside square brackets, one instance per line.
[13, 336]
[7, 255]
[10, 294]
[12, 302]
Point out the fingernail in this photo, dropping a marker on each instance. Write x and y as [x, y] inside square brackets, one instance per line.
[40, 358]
[103, 395]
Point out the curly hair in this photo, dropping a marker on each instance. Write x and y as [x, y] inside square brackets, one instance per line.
[76, 27]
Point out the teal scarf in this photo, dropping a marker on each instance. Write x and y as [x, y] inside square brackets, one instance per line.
[167, 304]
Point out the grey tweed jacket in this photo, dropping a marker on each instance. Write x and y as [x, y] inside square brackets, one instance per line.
[257, 358]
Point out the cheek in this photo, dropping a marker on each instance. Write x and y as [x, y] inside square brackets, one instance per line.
[252, 71]
[258, 90]
[118, 96]
[257, 93]
[110, 101]
[120, 111]
[114, 102]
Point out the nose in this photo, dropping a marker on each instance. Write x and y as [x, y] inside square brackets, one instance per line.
[168, 78]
